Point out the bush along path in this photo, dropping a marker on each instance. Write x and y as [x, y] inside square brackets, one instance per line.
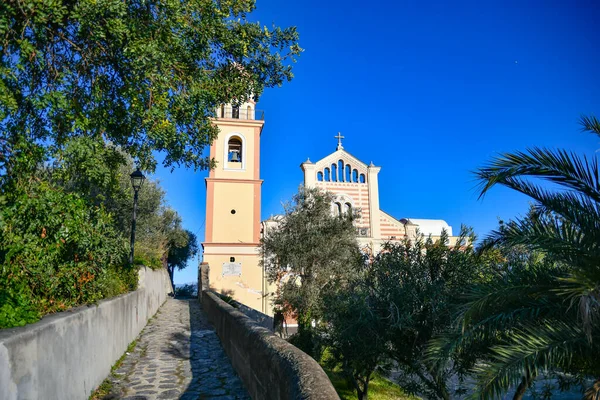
[177, 356]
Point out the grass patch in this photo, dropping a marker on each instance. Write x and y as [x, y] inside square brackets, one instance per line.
[380, 388]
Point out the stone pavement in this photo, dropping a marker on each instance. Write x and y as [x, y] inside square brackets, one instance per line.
[178, 356]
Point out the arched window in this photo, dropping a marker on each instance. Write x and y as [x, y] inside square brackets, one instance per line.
[348, 209]
[320, 176]
[348, 174]
[334, 173]
[249, 113]
[355, 176]
[341, 171]
[327, 175]
[235, 112]
[338, 208]
[234, 149]
[222, 110]
[362, 178]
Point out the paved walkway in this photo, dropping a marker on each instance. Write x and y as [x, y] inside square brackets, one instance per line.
[177, 356]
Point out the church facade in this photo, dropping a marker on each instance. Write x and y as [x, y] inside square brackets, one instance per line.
[355, 187]
[233, 206]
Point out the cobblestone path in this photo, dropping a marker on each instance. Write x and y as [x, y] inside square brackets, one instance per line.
[178, 356]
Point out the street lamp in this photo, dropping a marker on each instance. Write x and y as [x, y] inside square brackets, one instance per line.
[137, 179]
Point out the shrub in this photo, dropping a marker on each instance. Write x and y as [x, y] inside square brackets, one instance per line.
[187, 290]
[56, 252]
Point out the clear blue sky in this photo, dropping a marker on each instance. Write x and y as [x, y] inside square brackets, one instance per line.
[429, 91]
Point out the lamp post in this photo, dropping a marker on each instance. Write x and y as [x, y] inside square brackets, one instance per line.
[137, 179]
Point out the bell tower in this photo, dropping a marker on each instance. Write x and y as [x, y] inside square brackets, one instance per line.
[233, 196]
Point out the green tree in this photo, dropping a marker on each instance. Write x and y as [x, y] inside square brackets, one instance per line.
[420, 283]
[143, 75]
[99, 173]
[542, 317]
[356, 324]
[309, 250]
[182, 247]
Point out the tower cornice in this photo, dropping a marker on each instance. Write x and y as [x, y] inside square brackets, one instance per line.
[239, 122]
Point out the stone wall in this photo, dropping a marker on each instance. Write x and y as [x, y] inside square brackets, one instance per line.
[270, 367]
[67, 355]
[261, 319]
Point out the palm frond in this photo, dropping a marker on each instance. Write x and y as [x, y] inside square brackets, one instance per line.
[536, 348]
[559, 166]
[590, 124]
[561, 240]
[572, 206]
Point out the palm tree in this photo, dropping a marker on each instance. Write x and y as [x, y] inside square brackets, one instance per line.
[543, 317]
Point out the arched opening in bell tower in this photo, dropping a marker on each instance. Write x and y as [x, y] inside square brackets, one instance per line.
[234, 149]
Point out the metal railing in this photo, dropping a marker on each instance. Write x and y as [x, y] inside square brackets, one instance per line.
[240, 113]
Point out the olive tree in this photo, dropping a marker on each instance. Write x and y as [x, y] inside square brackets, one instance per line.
[309, 250]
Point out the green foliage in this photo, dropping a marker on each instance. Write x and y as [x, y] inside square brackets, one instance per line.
[357, 325]
[541, 315]
[183, 245]
[144, 75]
[309, 249]
[56, 252]
[91, 168]
[65, 227]
[187, 290]
[367, 313]
[417, 285]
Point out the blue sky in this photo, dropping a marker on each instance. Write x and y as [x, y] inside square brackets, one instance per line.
[429, 91]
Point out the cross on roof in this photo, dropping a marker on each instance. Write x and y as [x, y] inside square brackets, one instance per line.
[339, 137]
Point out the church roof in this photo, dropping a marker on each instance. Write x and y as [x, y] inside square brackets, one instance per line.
[346, 157]
[431, 227]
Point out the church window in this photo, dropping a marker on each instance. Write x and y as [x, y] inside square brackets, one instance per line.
[355, 176]
[233, 211]
[341, 171]
[362, 178]
[348, 174]
[320, 176]
[334, 173]
[327, 175]
[338, 208]
[249, 113]
[231, 259]
[234, 151]
[235, 112]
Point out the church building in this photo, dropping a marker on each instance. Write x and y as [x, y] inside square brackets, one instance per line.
[233, 200]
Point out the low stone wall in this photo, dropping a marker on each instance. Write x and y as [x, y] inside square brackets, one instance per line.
[261, 319]
[67, 355]
[270, 367]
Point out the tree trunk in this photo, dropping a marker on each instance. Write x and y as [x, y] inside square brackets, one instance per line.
[523, 386]
[171, 271]
[361, 392]
[366, 390]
